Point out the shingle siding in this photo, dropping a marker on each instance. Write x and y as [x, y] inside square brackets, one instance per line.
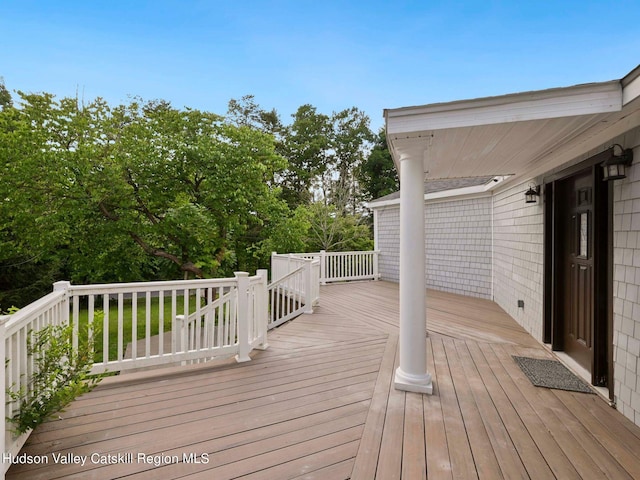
[457, 250]
[388, 238]
[626, 286]
[458, 246]
[518, 257]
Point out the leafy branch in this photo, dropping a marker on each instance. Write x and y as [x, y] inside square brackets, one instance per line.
[61, 374]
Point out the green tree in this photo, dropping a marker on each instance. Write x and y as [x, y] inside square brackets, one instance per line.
[5, 96]
[247, 113]
[305, 145]
[331, 231]
[137, 190]
[377, 175]
[350, 138]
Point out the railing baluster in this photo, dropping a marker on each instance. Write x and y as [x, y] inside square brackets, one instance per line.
[174, 301]
[198, 325]
[147, 325]
[134, 325]
[219, 313]
[90, 320]
[105, 329]
[233, 317]
[184, 342]
[120, 324]
[76, 321]
[160, 322]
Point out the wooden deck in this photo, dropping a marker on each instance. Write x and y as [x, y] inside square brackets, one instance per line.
[320, 404]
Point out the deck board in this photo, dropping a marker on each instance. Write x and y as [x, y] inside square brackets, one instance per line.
[319, 403]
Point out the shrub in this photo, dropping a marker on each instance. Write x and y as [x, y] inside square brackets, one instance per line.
[60, 375]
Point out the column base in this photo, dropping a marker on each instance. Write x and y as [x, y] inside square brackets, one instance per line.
[413, 383]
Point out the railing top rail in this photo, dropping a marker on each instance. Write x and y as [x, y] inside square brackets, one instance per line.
[296, 257]
[318, 254]
[152, 286]
[285, 277]
[33, 309]
[356, 252]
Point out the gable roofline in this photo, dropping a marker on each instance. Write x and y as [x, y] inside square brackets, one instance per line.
[584, 99]
[515, 135]
[445, 190]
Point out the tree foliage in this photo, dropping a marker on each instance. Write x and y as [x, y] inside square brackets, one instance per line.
[144, 191]
[116, 188]
[377, 175]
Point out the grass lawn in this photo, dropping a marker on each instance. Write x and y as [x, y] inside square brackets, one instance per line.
[127, 321]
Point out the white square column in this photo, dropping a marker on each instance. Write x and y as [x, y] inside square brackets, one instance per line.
[412, 375]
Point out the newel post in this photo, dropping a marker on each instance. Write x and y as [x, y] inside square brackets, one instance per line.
[308, 290]
[244, 347]
[181, 328]
[65, 286]
[263, 309]
[323, 268]
[376, 254]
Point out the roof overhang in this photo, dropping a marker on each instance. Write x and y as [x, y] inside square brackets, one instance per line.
[517, 135]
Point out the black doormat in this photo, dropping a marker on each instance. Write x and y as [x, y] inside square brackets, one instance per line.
[551, 374]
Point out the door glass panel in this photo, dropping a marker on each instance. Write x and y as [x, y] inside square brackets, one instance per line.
[584, 234]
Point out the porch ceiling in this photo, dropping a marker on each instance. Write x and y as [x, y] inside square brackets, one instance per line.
[522, 135]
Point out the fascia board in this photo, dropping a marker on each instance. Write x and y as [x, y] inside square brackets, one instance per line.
[631, 87]
[476, 191]
[554, 103]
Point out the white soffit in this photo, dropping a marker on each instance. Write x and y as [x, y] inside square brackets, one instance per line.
[508, 135]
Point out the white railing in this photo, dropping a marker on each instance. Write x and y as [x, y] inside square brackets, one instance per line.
[167, 323]
[170, 322]
[17, 330]
[345, 266]
[214, 327]
[294, 288]
[173, 322]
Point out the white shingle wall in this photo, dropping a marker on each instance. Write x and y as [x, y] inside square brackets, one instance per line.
[458, 245]
[388, 231]
[626, 287]
[518, 257]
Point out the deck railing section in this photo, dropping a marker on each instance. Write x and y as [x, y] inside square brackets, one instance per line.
[16, 331]
[171, 322]
[167, 322]
[345, 266]
[294, 288]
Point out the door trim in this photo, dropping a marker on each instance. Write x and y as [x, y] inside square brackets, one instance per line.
[602, 358]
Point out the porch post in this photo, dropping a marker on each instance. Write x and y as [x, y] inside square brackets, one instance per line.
[412, 374]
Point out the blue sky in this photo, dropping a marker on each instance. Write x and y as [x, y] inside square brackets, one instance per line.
[331, 54]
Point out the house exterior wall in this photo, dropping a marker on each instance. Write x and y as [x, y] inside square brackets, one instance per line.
[626, 286]
[387, 228]
[518, 262]
[458, 246]
[507, 232]
[457, 250]
[518, 269]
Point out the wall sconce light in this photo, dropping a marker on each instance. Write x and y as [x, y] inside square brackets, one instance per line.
[531, 195]
[614, 167]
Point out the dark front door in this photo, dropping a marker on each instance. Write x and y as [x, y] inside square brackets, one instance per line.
[578, 272]
[576, 282]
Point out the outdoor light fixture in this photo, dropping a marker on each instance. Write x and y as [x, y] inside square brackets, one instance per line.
[532, 194]
[614, 166]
